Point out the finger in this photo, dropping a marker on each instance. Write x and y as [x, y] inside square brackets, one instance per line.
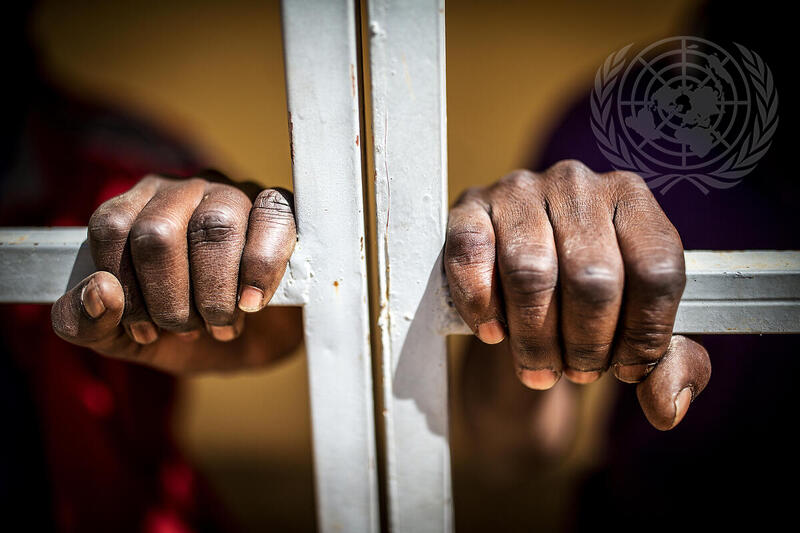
[271, 237]
[216, 236]
[231, 331]
[469, 262]
[160, 254]
[678, 378]
[109, 228]
[90, 313]
[654, 280]
[528, 268]
[590, 271]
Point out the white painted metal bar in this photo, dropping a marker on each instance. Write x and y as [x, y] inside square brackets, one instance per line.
[726, 292]
[320, 52]
[38, 265]
[407, 68]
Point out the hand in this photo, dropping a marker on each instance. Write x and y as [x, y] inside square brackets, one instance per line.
[185, 270]
[584, 272]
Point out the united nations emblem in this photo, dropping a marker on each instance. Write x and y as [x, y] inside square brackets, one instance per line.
[683, 108]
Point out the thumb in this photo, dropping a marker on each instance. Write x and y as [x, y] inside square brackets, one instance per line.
[89, 314]
[680, 376]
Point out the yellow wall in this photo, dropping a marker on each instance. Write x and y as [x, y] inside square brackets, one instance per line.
[213, 71]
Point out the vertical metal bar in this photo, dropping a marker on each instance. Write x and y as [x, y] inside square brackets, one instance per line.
[407, 66]
[322, 90]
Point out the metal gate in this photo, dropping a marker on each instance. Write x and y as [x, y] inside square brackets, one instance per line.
[726, 292]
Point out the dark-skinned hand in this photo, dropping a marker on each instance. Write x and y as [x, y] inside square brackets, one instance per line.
[583, 273]
[185, 270]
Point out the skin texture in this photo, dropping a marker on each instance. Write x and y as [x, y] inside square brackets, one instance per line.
[185, 270]
[582, 273]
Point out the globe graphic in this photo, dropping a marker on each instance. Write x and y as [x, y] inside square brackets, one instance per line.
[683, 103]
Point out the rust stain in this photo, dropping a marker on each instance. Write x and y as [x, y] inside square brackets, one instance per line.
[356, 140]
[18, 240]
[353, 78]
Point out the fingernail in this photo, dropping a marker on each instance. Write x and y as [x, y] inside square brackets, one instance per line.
[682, 401]
[538, 379]
[223, 333]
[632, 373]
[580, 377]
[188, 336]
[250, 299]
[491, 332]
[90, 298]
[143, 332]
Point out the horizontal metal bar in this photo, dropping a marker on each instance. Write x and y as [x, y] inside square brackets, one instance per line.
[38, 265]
[726, 292]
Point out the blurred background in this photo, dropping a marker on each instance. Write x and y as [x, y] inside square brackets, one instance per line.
[211, 71]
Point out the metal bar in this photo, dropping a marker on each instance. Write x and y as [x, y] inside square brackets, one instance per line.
[726, 292]
[407, 66]
[38, 265]
[320, 52]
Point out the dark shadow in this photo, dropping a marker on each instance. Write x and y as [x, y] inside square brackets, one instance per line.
[418, 377]
[83, 266]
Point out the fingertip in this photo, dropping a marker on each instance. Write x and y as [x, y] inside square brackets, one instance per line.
[143, 332]
[632, 373]
[581, 377]
[228, 332]
[491, 332]
[189, 336]
[682, 401]
[89, 310]
[91, 300]
[102, 293]
[251, 299]
[543, 379]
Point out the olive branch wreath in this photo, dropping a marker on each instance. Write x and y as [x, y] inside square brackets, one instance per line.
[730, 171]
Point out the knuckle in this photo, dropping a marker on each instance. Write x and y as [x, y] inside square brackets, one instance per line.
[626, 178]
[152, 180]
[593, 284]
[470, 194]
[570, 170]
[263, 262]
[518, 179]
[171, 315]
[587, 357]
[530, 275]
[219, 224]
[660, 275]
[274, 207]
[646, 343]
[217, 311]
[468, 247]
[156, 233]
[573, 190]
[109, 225]
[172, 319]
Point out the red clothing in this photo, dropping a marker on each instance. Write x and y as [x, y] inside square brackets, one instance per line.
[110, 459]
